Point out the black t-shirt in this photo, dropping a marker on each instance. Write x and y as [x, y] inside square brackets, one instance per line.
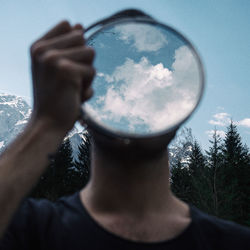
[67, 225]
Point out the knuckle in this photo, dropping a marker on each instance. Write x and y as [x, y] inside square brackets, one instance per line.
[78, 35]
[32, 47]
[89, 74]
[65, 71]
[90, 92]
[92, 72]
[90, 52]
[87, 94]
[65, 25]
[63, 65]
[50, 57]
[37, 49]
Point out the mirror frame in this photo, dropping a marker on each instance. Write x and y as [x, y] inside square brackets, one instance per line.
[138, 18]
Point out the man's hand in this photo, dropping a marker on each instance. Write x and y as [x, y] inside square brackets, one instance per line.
[62, 73]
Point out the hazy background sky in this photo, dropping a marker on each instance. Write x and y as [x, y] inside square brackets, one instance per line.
[220, 30]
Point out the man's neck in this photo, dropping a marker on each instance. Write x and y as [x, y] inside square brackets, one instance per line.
[135, 186]
[132, 198]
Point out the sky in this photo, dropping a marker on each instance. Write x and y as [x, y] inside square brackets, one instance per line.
[219, 31]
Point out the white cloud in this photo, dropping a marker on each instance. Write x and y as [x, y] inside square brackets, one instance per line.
[220, 108]
[221, 133]
[221, 119]
[143, 75]
[244, 123]
[224, 119]
[144, 37]
[150, 95]
[100, 74]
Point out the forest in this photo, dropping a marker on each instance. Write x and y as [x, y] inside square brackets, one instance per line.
[217, 181]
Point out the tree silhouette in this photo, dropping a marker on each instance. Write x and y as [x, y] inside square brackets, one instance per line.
[219, 182]
[83, 163]
[56, 181]
[235, 177]
[214, 162]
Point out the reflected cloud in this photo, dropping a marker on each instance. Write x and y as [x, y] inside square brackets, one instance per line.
[142, 97]
[143, 37]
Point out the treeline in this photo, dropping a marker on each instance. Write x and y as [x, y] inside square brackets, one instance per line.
[216, 181]
[65, 175]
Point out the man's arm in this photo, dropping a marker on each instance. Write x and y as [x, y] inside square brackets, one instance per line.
[22, 164]
[62, 73]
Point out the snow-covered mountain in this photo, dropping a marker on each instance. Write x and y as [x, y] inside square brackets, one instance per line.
[181, 147]
[14, 114]
[76, 138]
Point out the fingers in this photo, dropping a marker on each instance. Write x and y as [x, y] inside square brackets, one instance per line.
[83, 55]
[61, 28]
[76, 74]
[71, 39]
[87, 94]
[58, 45]
[68, 40]
[78, 54]
[78, 26]
[62, 54]
[60, 37]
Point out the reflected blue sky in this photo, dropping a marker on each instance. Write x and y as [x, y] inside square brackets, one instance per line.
[147, 78]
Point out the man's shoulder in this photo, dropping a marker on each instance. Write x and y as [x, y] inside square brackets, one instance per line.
[46, 208]
[42, 214]
[226, 233]
[39, 219]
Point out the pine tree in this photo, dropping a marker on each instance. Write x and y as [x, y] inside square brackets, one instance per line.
[179, 152]
[201, 186]
[190, 179]
[61, 177]
[180, 181]
[214, 162]
[235, 177]
[197, 160]
[244, 187]
[233, 148]
[83, 162]
[57, 180]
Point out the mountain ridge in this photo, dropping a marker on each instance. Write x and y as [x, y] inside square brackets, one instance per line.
[15, 113]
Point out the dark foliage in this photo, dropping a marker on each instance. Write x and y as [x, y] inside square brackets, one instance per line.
[82, 165]
[217, 182]
[65, 176]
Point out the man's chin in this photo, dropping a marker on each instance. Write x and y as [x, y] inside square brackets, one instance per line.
[131, 149]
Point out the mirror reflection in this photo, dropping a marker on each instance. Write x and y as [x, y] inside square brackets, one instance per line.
[148, 78]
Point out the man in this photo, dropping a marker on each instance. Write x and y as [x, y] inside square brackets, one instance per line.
[127, 203]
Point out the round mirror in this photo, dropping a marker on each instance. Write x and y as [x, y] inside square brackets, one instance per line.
[149, 79]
